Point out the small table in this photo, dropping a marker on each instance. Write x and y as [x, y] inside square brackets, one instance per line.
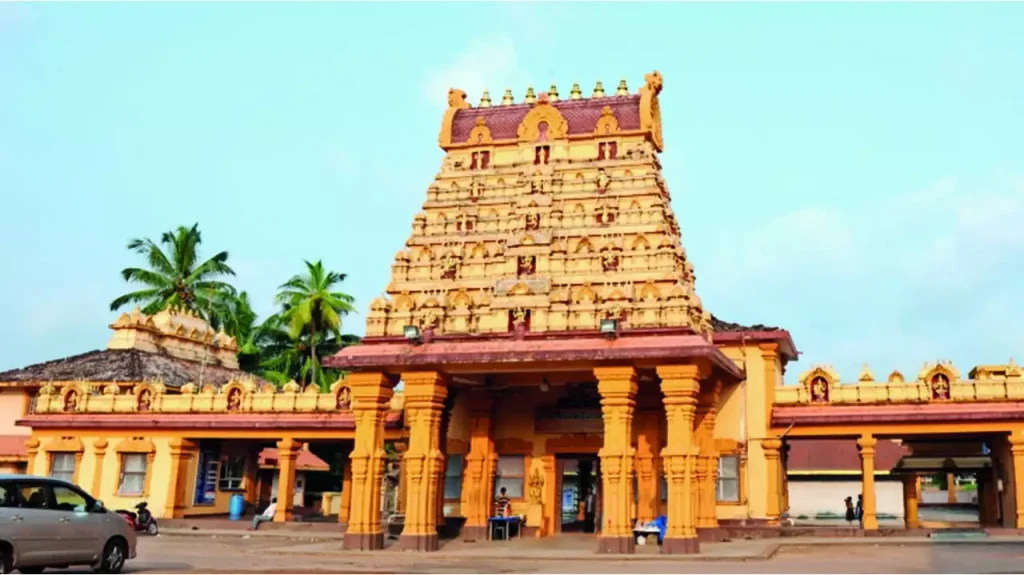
[646, 533]
[508, 522]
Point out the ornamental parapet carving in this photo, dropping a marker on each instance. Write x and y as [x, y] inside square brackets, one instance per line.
[936, 382]
[242, 395]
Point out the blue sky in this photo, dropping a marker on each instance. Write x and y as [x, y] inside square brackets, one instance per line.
[852, 172]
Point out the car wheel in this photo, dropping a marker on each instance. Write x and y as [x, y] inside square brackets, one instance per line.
[153, 528]
[6, 562]
[114, 555]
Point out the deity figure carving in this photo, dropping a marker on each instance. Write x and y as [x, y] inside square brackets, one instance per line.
[940, 386]
[610, 262]
[145, 400]
[519, 315]
[71, 401]
[235, 399]
[527, 265]
[605, 216]
[475, 190]
[449, 268]
[344, 399]
[819, 390]
[602, 180]
[532, 222]
[537, 183]
[536, 486]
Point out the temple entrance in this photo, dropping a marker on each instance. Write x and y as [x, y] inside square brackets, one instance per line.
[577, 474]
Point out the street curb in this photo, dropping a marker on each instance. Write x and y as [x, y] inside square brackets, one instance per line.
[769, 552]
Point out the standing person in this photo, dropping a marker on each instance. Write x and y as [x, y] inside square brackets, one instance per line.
[850, 513]
[860, 510]
[268, 515]
[589, 510]
[501, 504]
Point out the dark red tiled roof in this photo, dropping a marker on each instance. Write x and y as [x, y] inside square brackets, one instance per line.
[720, 326]
[581, 115]
[13, 446]
[839, 455]
[306, 460]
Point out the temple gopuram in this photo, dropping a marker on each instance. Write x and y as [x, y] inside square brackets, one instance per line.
[541, 335]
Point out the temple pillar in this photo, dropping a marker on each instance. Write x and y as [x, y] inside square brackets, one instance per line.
[32, 466]
[402, 495]
[950, 488]
[99, 451]
[707, 459]
[785, 477]
[181, 451]
[680, 385]
[910, 501]
[252, 474]
[287, 453]
[371, 393]
[425, 394]
[866, 445]
[618, 387]
[552, 499]
[1016, 440]
[648, 442]
[478, 476]
[345, 504]
[772, 448]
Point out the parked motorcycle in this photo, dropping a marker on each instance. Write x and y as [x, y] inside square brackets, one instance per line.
[142, 520]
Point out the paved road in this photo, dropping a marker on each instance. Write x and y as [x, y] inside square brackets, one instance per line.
[195, 554]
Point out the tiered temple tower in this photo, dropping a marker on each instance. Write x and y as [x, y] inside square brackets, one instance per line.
[546, 216]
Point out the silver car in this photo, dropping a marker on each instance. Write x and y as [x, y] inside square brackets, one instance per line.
[47, 522]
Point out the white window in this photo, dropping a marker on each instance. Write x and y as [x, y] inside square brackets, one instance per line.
[510, 476]
[232, 474]
[133, 474]
[453, 478]
[62, 466]
[728, 488]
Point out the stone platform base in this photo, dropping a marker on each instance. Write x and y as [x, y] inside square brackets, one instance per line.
[616, 545]
[418, 542]
[678, 546]
[363, 541]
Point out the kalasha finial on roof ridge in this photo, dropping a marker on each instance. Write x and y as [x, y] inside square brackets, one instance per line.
[530, 96]
[575, 93]
[507, 100]
[553, 93]
[598, 90]
[622, 90]
[485, 100]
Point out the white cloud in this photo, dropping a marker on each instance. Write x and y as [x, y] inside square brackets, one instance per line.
[485, 65]
[925, 275]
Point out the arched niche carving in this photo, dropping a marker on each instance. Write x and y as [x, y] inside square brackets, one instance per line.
[462, 300]
[145, 394]
[640, 244]
[73, 396]
[650, 112]
[650, 293]
[480, 134]
[404, 302]
[530, 129]
[519, 289]
[819, 381]
[584, 246]
[895, 377]
[939, 377]
[607, 124]
[584, 295]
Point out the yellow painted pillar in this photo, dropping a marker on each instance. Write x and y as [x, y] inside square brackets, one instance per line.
[617, 386]
[648, 443]
[371, 393]
[950, 488]
[32, 466]
[425, 393]
[402, 497]
[707, 413]
[181, 451]
[346, 494]
[680, 384]
[287, 453]
[866, 445]
[910, 501]
[99, 451]
[478, 477]
[1016, 440]
[772, 448]
[552, 499]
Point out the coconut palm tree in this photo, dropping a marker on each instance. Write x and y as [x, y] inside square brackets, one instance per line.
[311, 308]
[175, 279]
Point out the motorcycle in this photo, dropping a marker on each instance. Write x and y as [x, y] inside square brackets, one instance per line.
[142, 520]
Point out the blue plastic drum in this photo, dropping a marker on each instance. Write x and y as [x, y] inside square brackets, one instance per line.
[235, 507]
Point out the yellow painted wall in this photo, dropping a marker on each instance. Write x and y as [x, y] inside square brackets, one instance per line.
[14, 402]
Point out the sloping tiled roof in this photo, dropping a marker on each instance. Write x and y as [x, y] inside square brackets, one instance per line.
[839, 455]
[581, 115]
[13, 446]
[306, 460]
[120, 365]
[720, 326]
